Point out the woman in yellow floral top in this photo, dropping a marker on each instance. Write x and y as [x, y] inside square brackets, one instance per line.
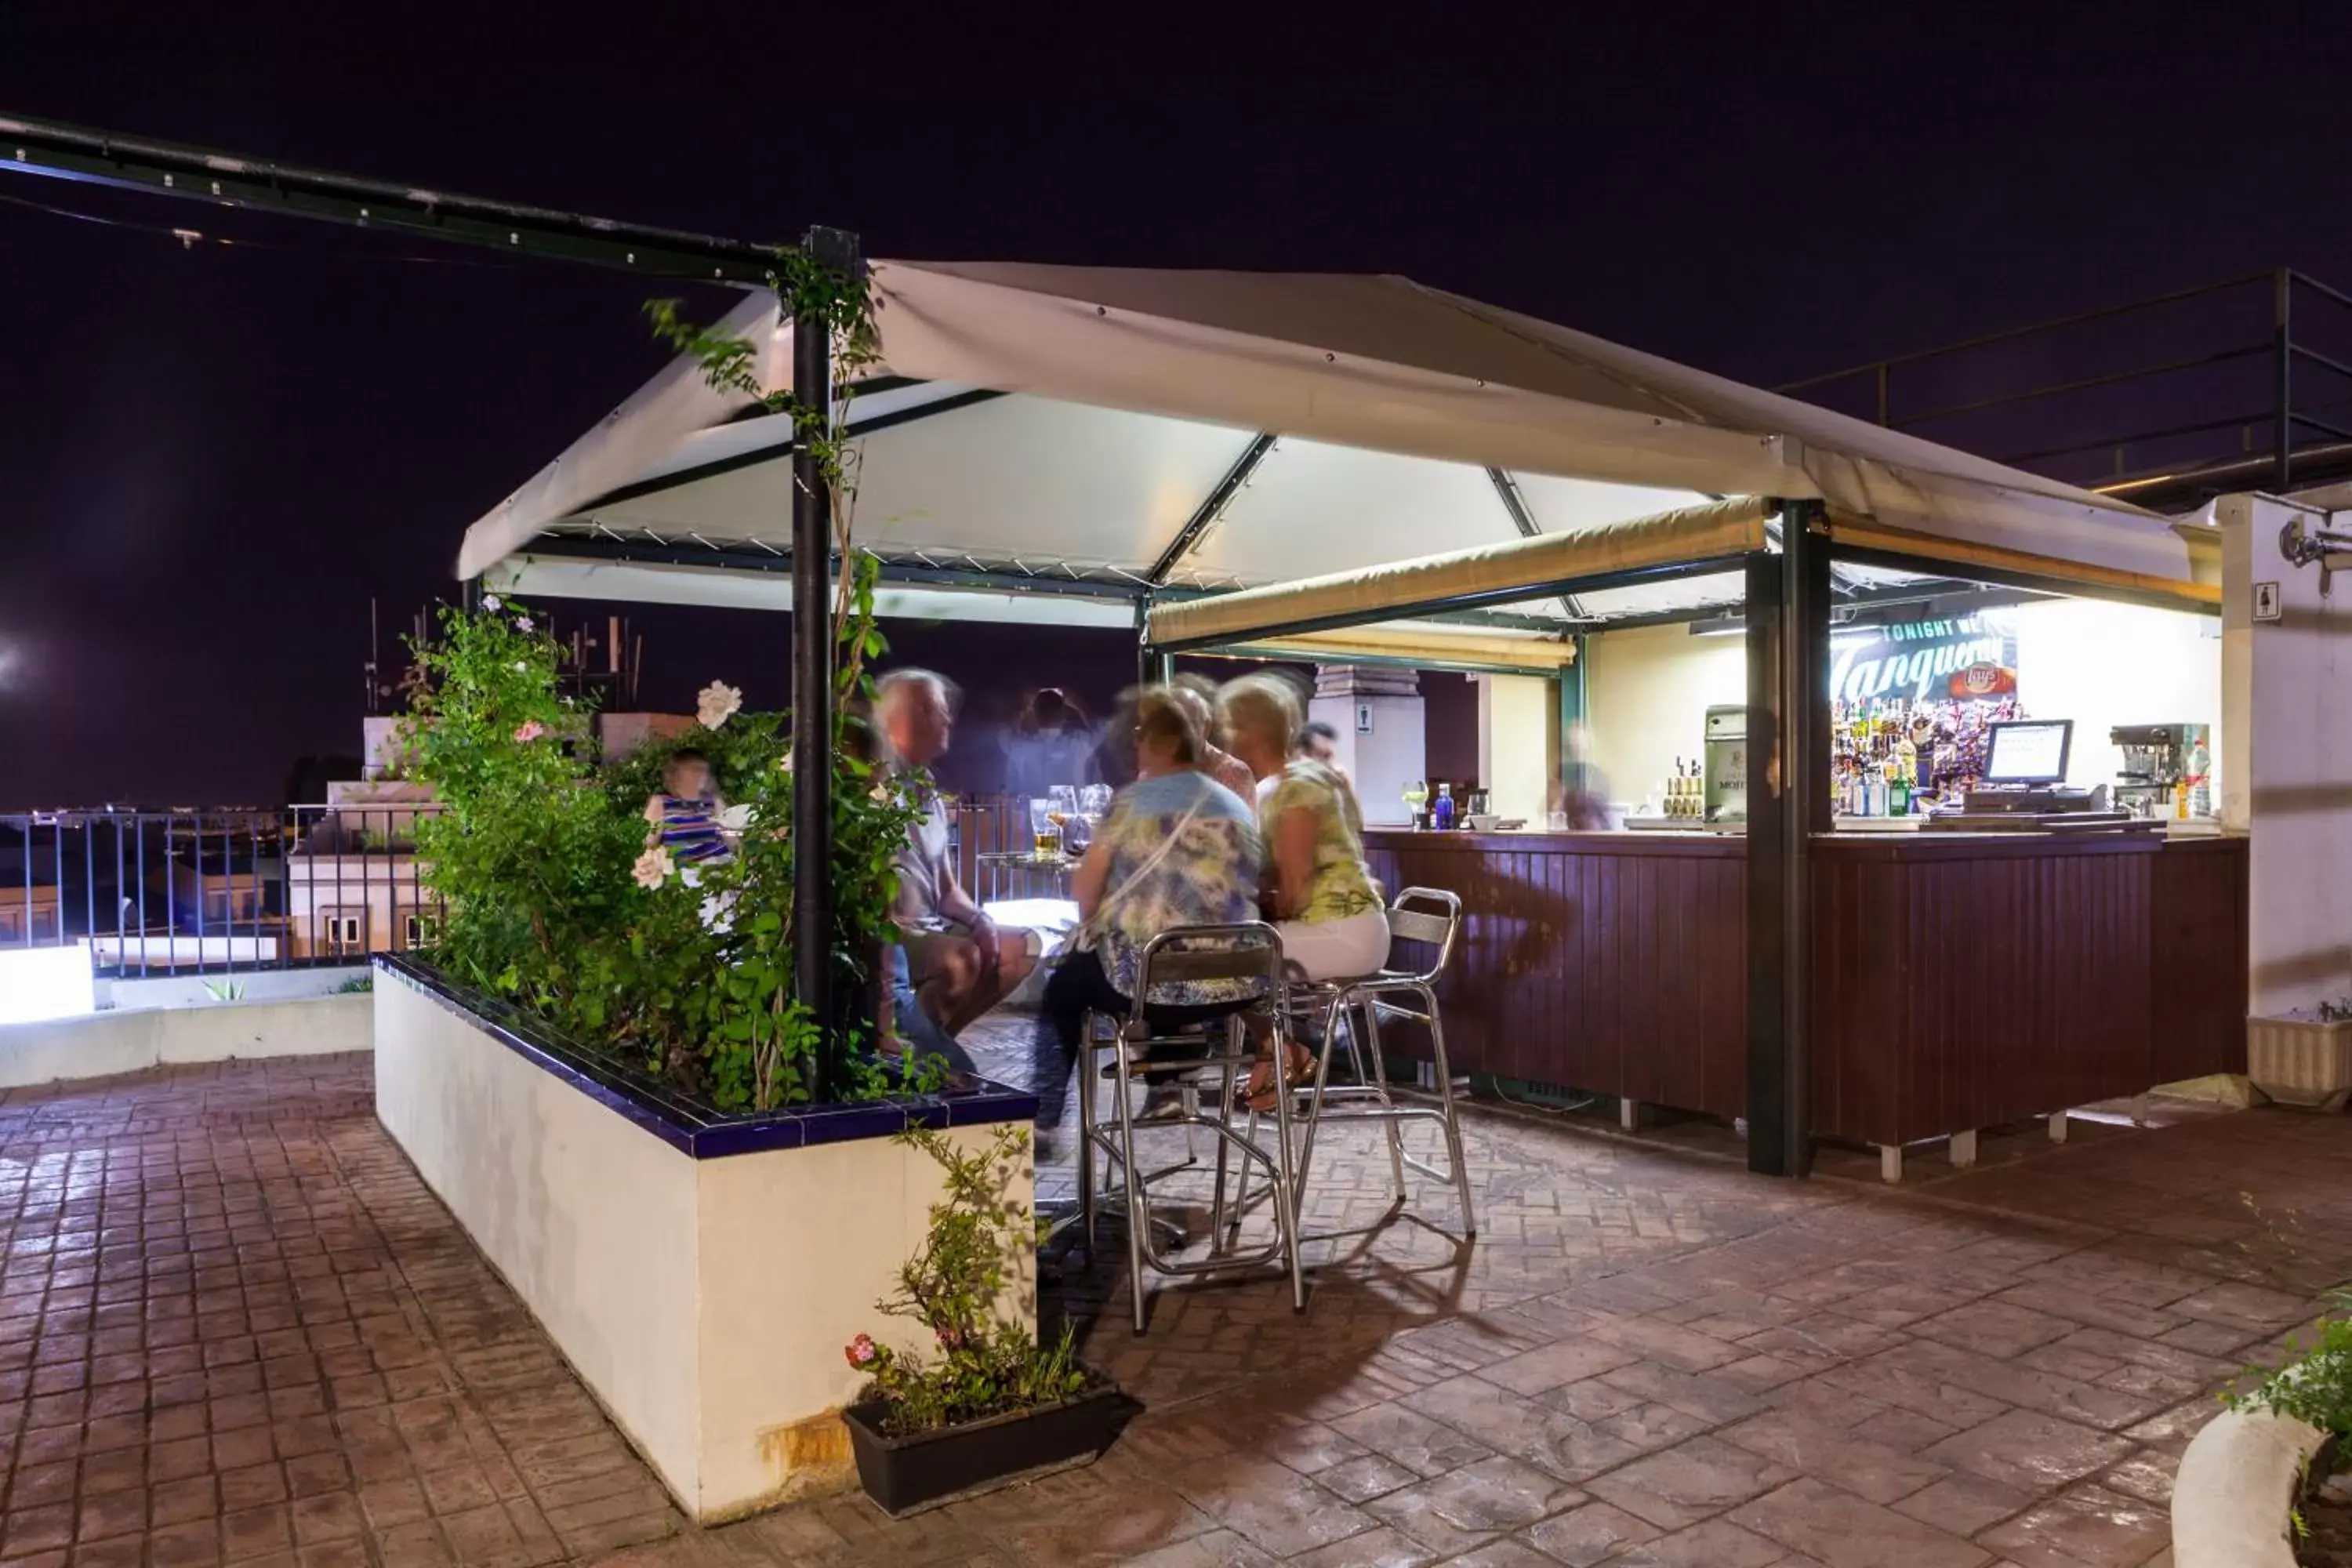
[1322, 896]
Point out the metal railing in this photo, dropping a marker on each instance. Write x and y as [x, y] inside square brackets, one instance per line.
[217, 891]
[2163, 401]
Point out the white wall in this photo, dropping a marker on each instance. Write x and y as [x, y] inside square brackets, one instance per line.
[1646, 694]
[1519, 728]
[2290, 757]
[706, 1302]
[131, 1039]
[2103, 665]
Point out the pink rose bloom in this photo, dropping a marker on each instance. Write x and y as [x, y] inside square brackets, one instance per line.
[861, 1350]
[529, 729]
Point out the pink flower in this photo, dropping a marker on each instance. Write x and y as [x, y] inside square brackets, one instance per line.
[522, 623]
[529, 729]
[861, 1350]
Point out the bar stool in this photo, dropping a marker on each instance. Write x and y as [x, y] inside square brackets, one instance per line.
[1430, 916]
[1247, 955]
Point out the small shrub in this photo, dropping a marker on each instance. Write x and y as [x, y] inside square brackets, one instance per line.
[2315, 1385]
[984, 1365]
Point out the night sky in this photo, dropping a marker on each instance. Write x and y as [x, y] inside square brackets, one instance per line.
[212, 458]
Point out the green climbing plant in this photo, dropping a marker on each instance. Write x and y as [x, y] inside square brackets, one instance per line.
[559, 898]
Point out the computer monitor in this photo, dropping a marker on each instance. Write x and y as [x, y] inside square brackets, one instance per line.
[2029, 752]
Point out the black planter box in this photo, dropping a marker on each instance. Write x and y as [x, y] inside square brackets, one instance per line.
[903, 1474]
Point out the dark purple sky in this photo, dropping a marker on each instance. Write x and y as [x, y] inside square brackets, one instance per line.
[210, 458]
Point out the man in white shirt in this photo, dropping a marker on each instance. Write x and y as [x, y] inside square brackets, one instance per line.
[960, 964]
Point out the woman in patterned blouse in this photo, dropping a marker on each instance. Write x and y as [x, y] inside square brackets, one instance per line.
[1177, 850]
[1320, 893]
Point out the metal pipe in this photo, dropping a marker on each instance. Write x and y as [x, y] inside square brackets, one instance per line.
[2282, 435]
[206, 175]
[813, 665]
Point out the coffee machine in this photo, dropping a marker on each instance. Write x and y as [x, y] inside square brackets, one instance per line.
[2157, 761]
[1727, 764]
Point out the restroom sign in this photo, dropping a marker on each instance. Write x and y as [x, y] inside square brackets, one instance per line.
[2266, 601]
[1363, 718]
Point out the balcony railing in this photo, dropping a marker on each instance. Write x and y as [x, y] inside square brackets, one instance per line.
[217, 891]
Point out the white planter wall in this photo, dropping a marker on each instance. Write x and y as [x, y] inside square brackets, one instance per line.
[706, 1302]
[131, 1039]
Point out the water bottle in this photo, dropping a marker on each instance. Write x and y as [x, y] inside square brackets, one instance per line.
[1440, 810]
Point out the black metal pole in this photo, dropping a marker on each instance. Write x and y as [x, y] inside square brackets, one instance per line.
[812, 667]
[2283, 349]
[1768, 830]
[1788, 749]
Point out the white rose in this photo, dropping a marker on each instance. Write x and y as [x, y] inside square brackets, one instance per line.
[653, 868]
[716, 704]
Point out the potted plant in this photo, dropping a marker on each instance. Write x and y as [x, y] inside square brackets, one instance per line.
[989, 1404]
[2267, 1477]
[2304, 1057]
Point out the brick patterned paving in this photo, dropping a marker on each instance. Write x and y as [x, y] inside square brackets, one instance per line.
[233, 1328]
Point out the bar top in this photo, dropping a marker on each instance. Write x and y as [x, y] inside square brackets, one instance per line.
[1526, 841]
[1922, 845]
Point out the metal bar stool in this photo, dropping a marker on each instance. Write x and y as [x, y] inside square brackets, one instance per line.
[1430, 916]
[1248, 954]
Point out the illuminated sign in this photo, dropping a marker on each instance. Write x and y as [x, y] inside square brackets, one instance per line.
[1955, 658]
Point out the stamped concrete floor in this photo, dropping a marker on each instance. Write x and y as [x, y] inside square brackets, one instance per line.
[235, 1328]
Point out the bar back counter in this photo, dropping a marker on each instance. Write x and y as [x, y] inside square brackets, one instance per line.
[1960, 981]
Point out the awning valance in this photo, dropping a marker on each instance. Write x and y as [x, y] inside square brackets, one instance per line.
[1688, 540]
[1904, 548]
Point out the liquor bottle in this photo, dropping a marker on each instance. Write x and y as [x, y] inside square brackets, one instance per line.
[1440, 810]
[1898, 791]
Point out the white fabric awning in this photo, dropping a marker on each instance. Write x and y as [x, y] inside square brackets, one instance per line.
[1073, 423]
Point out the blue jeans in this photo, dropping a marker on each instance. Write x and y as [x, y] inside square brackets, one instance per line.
[915, 1026]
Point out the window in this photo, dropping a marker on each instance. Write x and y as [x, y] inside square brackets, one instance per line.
[421, 928]
[342, 931]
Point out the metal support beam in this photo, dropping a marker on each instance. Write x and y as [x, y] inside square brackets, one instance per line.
[812, 651]
[200, 174]
[1452, 607]
[2282, 351]
[1525, 522]
[1212, 507]
[1788, 751]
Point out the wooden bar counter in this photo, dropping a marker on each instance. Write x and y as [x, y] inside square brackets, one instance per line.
[1609, 963]
[1960, 981]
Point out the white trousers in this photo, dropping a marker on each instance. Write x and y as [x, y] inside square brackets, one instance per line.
[1338, 950]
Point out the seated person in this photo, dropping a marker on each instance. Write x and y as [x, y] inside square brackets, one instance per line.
[1319, 743]
[1319, 892]
[959, 963]
[1199, 695]
[684, 818]
[1177, 850]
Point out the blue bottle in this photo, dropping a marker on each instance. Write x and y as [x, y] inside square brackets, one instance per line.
[1440, 810]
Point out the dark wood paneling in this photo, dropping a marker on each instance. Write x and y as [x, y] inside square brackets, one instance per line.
[1959, 981]
[2201, 959]
[1963, 983]
[1615, 963]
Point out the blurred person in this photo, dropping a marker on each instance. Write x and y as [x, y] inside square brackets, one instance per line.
[1581, 795]
[1198, 693]
[1051, 743]
[1319, 743]
[1114, 755]
[684, 818]
[1318, 890]
[959, 962]
[1177, 850]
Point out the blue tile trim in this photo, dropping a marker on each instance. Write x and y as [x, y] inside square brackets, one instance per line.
[694, 1129]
